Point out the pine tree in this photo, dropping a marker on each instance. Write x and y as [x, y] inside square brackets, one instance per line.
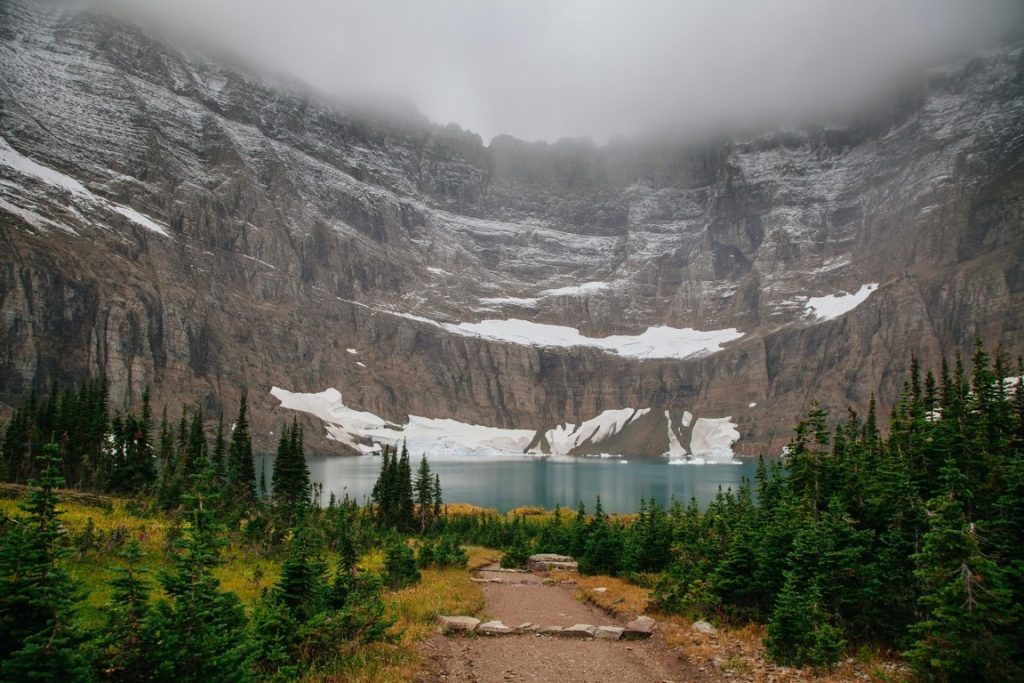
[967, 631]
[241, 471]
[37, 596]
[290, 482]
[302, 586]
[218, 454]
[123, 652]
[400, 564]
[197, 633]
[424, 488]
[404, 491]
[438, 501]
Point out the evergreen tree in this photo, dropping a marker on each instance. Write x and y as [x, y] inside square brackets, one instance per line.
[400, 564]
[218, 454]
[967, 633]
[197, 633]
[241, 470]
[291, 488]
[424, 488]
[123, 654]
[37, 596]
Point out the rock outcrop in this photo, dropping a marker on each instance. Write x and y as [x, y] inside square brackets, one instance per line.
[171, 222]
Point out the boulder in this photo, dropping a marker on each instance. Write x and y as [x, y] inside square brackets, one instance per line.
[704, 627]
[640, 628]
[579, 631]
[493, 628]
[457, 624]
[544, 562]
[609, 632]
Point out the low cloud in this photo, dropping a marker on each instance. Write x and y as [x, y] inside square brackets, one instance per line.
[546, 69]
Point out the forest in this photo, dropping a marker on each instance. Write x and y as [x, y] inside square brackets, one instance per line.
[906, 537]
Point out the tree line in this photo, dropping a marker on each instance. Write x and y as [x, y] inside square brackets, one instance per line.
[321, 607]
[912, 541]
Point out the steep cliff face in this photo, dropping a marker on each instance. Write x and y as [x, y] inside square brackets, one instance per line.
[172, 222]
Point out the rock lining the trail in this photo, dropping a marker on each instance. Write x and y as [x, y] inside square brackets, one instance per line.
[545, 562]
[458, 624]
[493, 628]
[638, 629]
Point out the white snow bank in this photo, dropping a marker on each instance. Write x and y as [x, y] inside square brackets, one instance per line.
[713, 438]
[364, 431]
[675, 448]
[834, 305]
[577, 290]
[655, 342]
[433, 435]
[342, 423]
[564, 438]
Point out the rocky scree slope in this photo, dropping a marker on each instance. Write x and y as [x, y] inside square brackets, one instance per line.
[173, 222]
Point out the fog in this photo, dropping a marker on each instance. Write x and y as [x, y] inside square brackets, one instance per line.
[546, 69]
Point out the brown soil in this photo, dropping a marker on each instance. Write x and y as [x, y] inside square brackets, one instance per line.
[531, 658]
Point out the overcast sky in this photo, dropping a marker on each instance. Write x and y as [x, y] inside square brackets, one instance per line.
[549, 69]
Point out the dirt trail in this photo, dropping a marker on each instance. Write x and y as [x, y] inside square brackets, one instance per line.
[530, 658]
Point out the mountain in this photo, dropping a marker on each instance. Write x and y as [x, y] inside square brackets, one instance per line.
[173, 222]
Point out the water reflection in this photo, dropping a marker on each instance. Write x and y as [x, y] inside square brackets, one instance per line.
[504, 482]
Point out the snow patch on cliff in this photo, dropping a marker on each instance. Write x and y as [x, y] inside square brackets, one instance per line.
[11, 159]
[564, 438]
[577, 290]
[343, 424]
[712, 440]
[834, 305]
[525, 302]
[675, 448]
[365, 432]
[655, 342]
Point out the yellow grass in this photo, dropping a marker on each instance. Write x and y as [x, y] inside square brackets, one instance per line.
[459, 509]
[441, 591]
[621, 598]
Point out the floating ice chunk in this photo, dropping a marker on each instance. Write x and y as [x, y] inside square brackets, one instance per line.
[834, 305]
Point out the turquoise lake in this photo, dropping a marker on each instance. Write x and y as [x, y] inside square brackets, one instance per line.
[504, 482]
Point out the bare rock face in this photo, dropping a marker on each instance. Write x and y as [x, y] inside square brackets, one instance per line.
[170, 222]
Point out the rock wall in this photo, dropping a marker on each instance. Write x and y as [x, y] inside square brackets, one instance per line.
[289, 229]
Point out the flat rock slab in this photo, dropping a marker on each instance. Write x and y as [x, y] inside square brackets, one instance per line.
[493, 628]
[545, 562]
[640, 628]
[550, 630]
[457, 624]
[609, 632]
[579, 631]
